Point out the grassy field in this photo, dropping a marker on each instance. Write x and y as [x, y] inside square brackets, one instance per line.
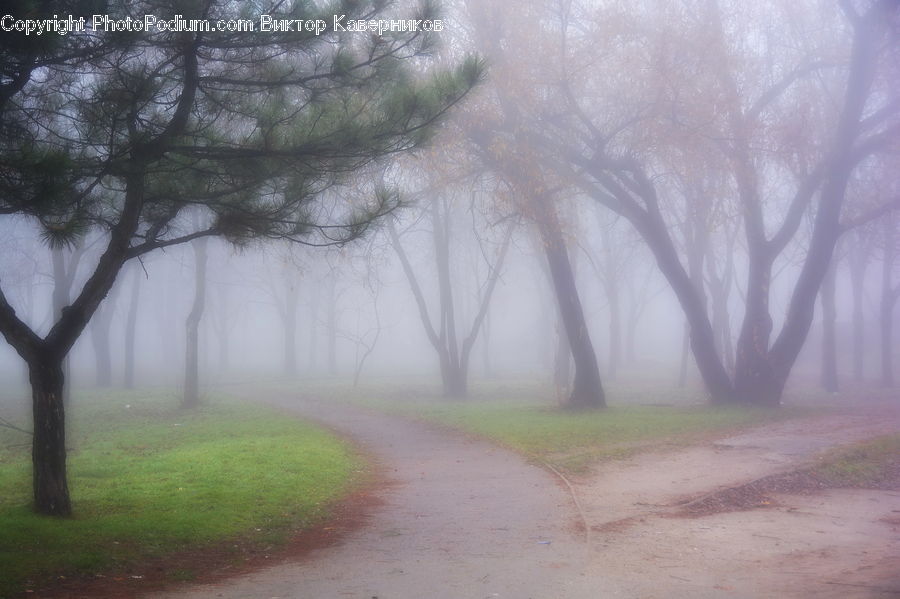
[148, 479]
[871, 464]
[573, 441]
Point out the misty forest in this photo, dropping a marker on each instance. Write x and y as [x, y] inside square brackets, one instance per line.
[478, 298]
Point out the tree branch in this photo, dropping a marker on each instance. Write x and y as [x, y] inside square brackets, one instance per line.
[147, 246]
[414, 284]
[774, 92]
[7, 424]
[18, 334]
[870, 215]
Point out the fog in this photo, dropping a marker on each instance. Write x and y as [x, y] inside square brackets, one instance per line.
[519, 218]
[353, 300]
[610, 124]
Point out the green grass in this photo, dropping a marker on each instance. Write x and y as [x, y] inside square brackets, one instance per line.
[148, 479]
[871, 464]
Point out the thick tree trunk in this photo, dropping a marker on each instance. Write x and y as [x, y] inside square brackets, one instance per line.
[51, 489]
[454, 377]
[720, 291]
[562, 357]
[829, 339]
[722, 328]
[696, 242]
[192, 328]
[587, 389]
[755, 381]
[131, 327]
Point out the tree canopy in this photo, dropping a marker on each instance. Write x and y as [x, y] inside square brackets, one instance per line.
[197, 126]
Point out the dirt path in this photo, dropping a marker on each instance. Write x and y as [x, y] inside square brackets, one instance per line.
[462, 519]
[840, 543]
[465, 519]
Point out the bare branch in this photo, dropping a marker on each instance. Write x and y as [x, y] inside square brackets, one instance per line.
[7, 424]
[870, 215]
[774, 92]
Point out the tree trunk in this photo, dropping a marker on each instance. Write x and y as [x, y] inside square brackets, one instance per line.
[685, 355]
[453, 377]
[722, 327]
[859, 262]
[615, 331]
[63, 276]
[192, 328]
[720, 291]
[487, 369]
[755, 380]
[100, 326]
[887, 340]
[224, 329]
[562, 358]
[630, 334]
[51, 489]
[827, 226]
[829, 340]
[45, 356]
[313, 328]
[290, 328]
[888, 301]
[331, 322]
[452, 372]
[652, 228]
[587, 389]
[100, 339]
[131, 327]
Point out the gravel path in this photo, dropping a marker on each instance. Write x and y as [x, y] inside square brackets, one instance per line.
[463, 519]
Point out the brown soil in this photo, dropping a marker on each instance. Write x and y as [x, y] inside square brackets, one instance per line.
[761, 493]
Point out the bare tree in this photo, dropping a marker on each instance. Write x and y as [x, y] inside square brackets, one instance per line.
[890, 293]
[367, 326]
[453, 356]
[827, 299]
[131, 324]
[602, 142]
[860, 252]
[191, 397]
[100, 337]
